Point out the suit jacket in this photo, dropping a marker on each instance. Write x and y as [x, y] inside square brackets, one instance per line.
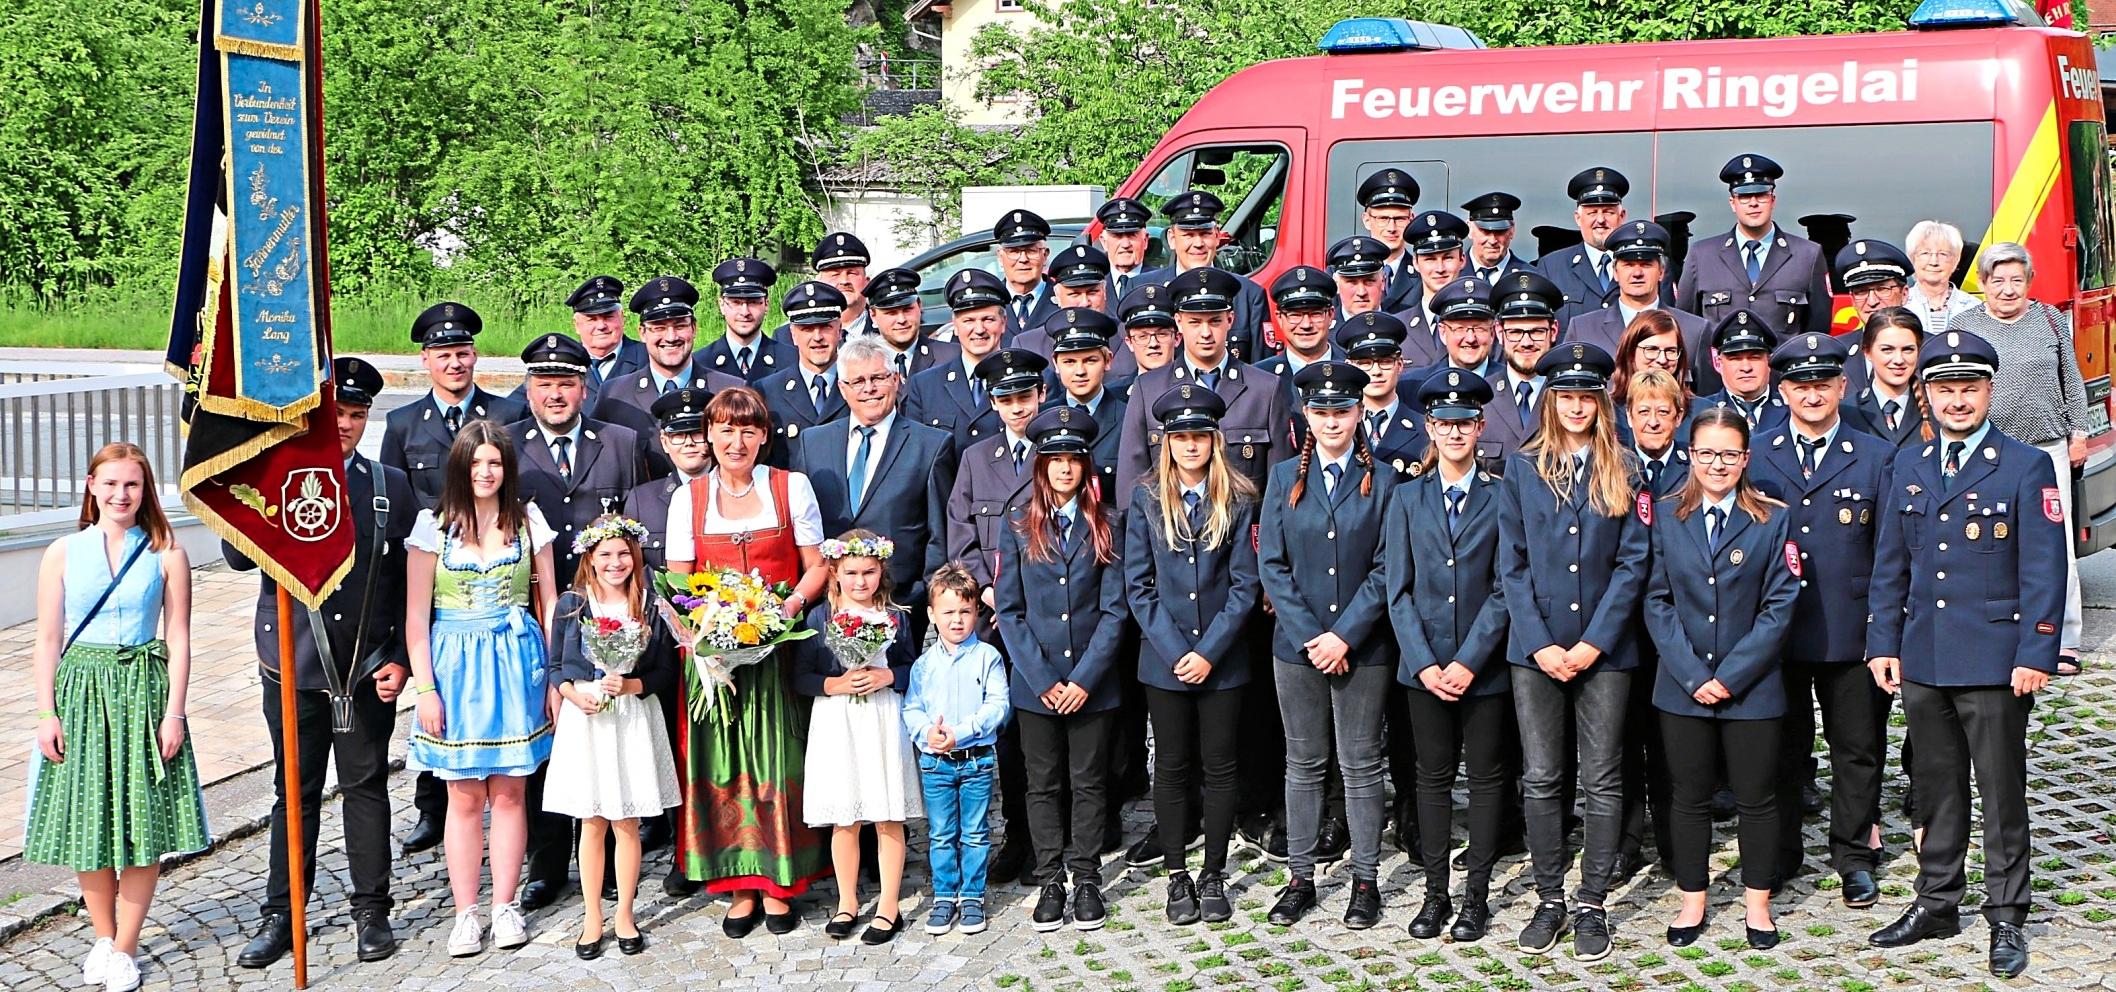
[631, 357]
[1575, 276]
[905, 499]
[346, 608]
[1258, 426]
[771, 354]
[1109, 433]
[1862, 412]
[1793, 291]
[1605, 327]
[566, 659]
[793, 408]
[1069, 627]
[605, 468]
[415, 440]
[1320, 562]
[1504, 429]
[813, 661]
[927, 352]
[1189, 598]
[648, 503]
[1251, 311]
[1577, 579]
[1720, 613]
[1444, 600]
[1403, 441]
[987, 494]
[1969, 578]
[1772, 417]
[1832, 516]
[1421, 343]
[1405, 288]
[1674, 471]
[1040, 310]
[1511, 263]
[940, 398]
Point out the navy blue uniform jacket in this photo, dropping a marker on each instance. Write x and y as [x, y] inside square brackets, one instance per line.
[1189, 599]
[1444, 598]
[1834, 517]
[1720, 614]
[1321, 563]
[1061, 620]
[1570, 573]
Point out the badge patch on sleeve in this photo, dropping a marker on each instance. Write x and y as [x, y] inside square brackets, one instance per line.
[1645, 509]
[1256, 537]
[2046, 627]
[2053, 507]
[1792, 558]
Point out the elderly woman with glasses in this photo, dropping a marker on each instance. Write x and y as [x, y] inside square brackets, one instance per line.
[1935, 250]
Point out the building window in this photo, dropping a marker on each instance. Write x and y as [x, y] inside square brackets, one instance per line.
[1009, 6]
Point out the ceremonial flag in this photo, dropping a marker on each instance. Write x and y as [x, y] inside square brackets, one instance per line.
[250, 335]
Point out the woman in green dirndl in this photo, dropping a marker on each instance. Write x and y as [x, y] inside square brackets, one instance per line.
[742, 830]
[117, 790]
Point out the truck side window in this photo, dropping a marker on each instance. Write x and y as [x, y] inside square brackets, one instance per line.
[1249, 179]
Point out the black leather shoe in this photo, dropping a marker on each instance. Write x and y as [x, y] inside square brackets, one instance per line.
[1364, 908]
[739, 927]
[1275, 844]
[2009, 950]
[677, 885]
[372, 937]
[1810, 799]
[1255, 829]
[589, 951]
[877, 934]
[1089, 912]
[1762, 940]
[782, 924]
[1685, 936]
[1147, 852]
[1293, 903]
[1917, 923]
[1213, 906]
[841, 926]
[538, 894]
[1432, 917]
[1472, 923]
[635, 944]
[1182, 899]
[1050, 909]
[275, 937]
[1008, 863]
[1860, 889]
[1331, 842]
[1624, 869]
[424, 834]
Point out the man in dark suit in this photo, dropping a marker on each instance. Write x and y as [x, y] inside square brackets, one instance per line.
[1386, 202]
[1392, 424]
[1079, 278]
[416, 442]
[1306, 299]
[1743, 344]
[745, 351]
[1528, 328]
[1194, 243]
[895, 314]
[949, 396]
[1757, 266]
[806, 395]
[1080, 365]
[349, 679]
[1257, 425]
[1355, 266]
[1124, 241]
[1468, 327]
[1582, 272]
[599, 323]
[668, 323]
[1021, 241]
[1436, 238]
[682, 439]
[1491, 236]
[1639, 265]
[840, 260]
[574, 468]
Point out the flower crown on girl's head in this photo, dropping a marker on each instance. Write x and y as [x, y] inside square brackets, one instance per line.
[587, 539]
[878, 548]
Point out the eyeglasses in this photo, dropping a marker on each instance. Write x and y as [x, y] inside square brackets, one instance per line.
[1661, 354]
[1517, 335]
[1149, 335]
[1877, 289]
[1709, 456]
[1372, 364]
[866, 382]
[1470, 426]
[1023, 251]
[685, 440]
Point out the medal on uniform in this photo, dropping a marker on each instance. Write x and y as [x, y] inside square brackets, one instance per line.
[1998, 530]
[1248, 451]
[1734, 557]
[1844, 515]
[1865, 517]
[1971, 530]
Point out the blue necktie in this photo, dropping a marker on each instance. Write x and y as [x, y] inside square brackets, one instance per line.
[1889, 411]
[819, 385]
[1525, 403]
[559, 455]
[1601, 270]
[977, 392]
[1953, 464]
[1715, 527]
[1065, 533]
[742, 359]
[1021, 455]
[858, 482]
[1752, 252]
[1376, 422]
[668, 387]
[1210, 380]
[1455, 496]
[1190, 506]
[1331, 473]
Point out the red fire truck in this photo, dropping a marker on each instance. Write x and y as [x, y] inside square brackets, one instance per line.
[1971, 116]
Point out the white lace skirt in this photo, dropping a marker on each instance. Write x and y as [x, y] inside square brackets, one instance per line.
[859, 766]
[615, 764]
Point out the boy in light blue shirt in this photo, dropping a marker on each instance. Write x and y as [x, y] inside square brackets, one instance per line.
[953, 710]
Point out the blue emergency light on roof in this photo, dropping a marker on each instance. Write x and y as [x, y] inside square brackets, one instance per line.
[1972, 14]
[1393, 34]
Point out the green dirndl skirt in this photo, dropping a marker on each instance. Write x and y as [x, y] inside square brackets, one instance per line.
[113, 802]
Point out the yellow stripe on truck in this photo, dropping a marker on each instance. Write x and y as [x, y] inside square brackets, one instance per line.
[2029, 189]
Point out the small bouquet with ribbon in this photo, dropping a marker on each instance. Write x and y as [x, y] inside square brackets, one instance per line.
[860, 639]
[728, 620]
[613, 645]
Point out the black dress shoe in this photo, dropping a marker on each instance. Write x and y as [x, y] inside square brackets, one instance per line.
[1363, 910]
[677, 885]
[1625, 868]
[1182, 899]
[739, 927]
[2009, 950]
[424, 834]
[1810, 799]
[1049, 914]
[1860, 889]
[1089, 911]
[1472, 923]
[841, 926]
[1917, 923]
[782, 924]
[876, 934]
[275, 936]
[538, 894]
[1685, 936]
[635, 944]
[588, 951]
[1213, 906]
[1331, 842]
[372, 936]
[1293, 903]
[1762, 940]
[1432, 917]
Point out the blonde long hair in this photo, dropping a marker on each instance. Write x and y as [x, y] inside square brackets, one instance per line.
[1224, 487]
[1609, 469]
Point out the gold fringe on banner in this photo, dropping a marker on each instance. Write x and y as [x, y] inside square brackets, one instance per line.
[227, 531]
[258, 49]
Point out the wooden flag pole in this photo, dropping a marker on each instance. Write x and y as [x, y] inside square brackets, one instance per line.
[290, 751]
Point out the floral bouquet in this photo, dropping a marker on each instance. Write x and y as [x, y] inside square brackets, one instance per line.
[613, 644]
[729, 620]
[859, 639]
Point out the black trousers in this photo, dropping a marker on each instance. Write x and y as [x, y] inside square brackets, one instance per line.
[1474, 732]
[430, 797]
[1960, 728]
[1749, 748]
[1647, 795]
[1261, 759]
[1127, 753]
[363, 778]
[1061, 754]
[1196, 738]
[551, 836]
[1857, 744]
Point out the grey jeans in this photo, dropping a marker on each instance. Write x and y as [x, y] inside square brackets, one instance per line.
[1312, 705]
[1594, 703]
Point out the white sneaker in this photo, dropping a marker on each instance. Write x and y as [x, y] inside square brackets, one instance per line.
[120, 974]
[468, 937]
[508, 928]
[97, 963]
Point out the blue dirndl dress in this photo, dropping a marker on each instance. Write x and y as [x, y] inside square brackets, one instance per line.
[488, 658]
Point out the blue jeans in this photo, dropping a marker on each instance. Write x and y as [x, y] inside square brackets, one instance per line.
[958, 799]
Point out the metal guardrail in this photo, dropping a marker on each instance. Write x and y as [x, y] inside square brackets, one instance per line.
[51, 425]
[880, 72]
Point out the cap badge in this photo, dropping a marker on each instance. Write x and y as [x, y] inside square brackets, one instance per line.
[448, 310]
[1072, 316]
[1745, 162]
[664, 285]
[1598, 175]
[1954, 339]
[550, 341]
[1065, 415]
[1579, 351]
[1186, 392]
[1859, 247]
[1814, 341]
[741, 265]
[1454, 378]
[841, 240]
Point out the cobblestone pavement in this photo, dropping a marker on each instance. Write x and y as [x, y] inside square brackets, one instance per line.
[205, 908]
